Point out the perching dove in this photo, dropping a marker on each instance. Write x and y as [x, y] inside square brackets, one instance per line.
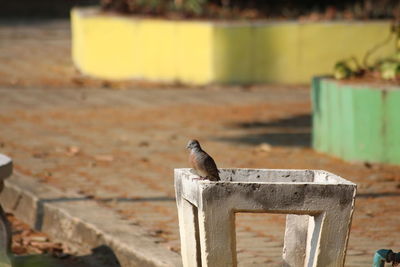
[201, 162]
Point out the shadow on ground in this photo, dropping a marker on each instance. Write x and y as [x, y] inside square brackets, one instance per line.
[101, 256]
[23, 9]
[292, 131]
[378, 195]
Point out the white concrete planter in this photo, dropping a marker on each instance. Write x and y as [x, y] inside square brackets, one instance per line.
[207, 214]
[6, 167]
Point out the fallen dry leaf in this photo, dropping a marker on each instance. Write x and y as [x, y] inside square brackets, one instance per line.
[106, 158]
[73, 150]
[264, 147]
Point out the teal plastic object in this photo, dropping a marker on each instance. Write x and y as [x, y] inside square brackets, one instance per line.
[380, 257]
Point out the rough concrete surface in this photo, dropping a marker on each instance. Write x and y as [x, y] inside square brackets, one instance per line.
[5, 229]
[5, 167]
[207, 213]
[119, 147]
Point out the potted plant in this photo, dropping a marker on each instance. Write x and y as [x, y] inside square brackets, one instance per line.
[356, 114]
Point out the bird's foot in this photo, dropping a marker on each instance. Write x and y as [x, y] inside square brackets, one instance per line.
[199, 178]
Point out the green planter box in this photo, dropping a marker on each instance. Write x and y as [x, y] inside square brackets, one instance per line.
[356, 122]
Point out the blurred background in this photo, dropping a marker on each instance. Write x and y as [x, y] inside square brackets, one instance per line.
[288, 9]
[116, 142]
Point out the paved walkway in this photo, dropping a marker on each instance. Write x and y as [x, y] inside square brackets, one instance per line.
[32, 248]
[120, 147]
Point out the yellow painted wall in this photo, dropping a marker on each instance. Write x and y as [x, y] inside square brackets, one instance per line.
[322, 44]
[276, 53]
[194, 52]
[105, 46]
[200, 52]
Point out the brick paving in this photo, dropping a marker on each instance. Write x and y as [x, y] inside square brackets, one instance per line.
[120, 146]
[33, 248]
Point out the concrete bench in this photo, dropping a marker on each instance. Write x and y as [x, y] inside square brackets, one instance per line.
[319, 207]
[5, 230]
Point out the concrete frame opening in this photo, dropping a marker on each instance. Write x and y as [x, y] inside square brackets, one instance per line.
[259, 238]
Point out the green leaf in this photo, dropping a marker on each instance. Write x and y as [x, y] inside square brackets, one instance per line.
[342, 70]
[390, 69]
[195, 6]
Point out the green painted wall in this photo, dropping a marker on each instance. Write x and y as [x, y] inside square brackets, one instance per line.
[356, 122]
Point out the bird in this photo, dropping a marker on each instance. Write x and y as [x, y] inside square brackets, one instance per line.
[202, 163]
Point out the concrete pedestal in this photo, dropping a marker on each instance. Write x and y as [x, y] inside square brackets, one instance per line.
[5, 230]
[320, 207]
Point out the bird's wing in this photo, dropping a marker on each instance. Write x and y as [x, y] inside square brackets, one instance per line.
[211, 168]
